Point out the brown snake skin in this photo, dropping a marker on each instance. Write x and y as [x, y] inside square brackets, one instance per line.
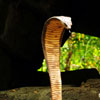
[51, 40]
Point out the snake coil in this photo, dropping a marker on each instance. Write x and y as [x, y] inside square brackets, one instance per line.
[51, 40]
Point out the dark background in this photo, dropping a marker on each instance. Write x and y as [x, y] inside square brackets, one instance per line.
[21, 23]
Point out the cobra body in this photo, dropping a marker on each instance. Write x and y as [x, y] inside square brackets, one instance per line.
[51, 40]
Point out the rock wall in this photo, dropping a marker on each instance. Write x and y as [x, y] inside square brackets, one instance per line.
[21, 23]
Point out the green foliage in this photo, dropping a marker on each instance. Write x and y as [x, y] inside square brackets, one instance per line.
[80, 51]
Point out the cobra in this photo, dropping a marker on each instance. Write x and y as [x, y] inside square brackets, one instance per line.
[51, 41]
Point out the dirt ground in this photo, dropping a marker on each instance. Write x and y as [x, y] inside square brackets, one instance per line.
[87, 91]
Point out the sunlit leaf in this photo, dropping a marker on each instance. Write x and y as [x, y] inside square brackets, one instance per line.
[85, 53]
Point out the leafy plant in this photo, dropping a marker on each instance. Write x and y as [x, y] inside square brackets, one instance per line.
[80, 51]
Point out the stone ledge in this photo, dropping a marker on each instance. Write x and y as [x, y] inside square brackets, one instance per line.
[83, 92]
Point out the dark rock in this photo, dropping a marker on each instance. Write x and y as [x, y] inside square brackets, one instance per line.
[20, 41]
[21, 23]
[75, 78]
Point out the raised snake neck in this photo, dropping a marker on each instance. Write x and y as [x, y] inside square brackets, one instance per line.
[51, 40]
